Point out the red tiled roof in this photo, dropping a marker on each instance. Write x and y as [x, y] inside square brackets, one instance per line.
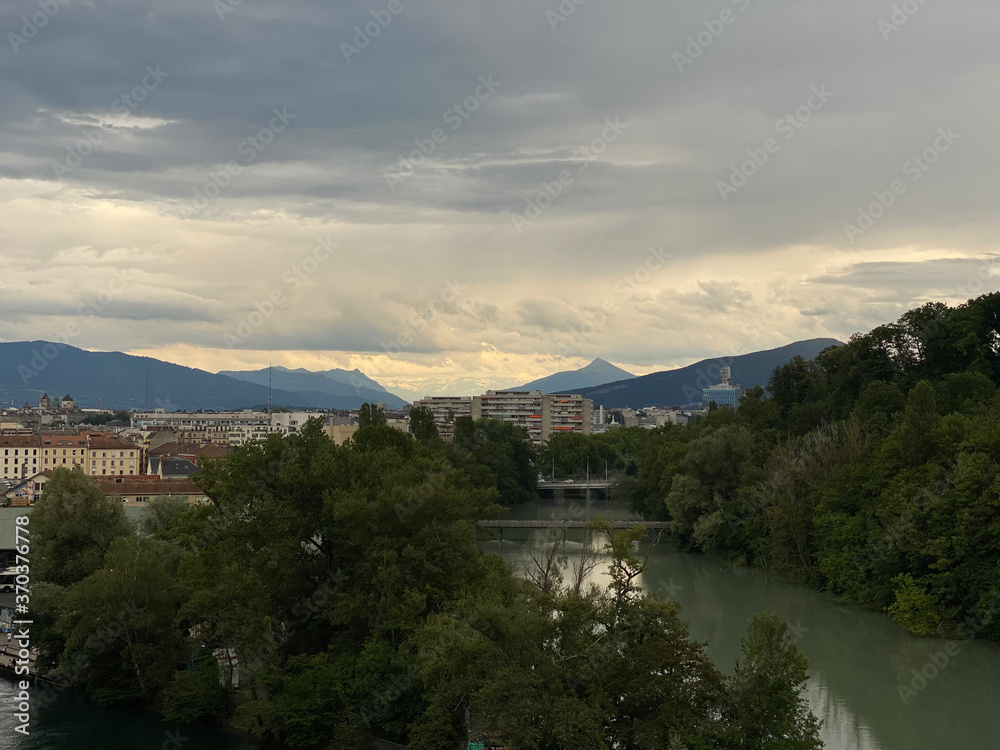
[19, 441]
[112, 443]
[189, 450]
[147, 485]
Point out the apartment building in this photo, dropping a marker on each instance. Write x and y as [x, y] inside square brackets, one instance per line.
[64, 451]
[225, 428]
[96, 455]
[566, 413]
[446, 409]
[205, 427]
[108, 456]
[542, 415]
[21, 454]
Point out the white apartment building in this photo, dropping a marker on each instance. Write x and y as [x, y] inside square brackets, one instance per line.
[542, 415]
[446, 409]
[204, 427]
[20, 454]
[235, 428]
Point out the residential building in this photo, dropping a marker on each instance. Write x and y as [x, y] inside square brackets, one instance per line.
[203, 427]
[446, 409]
[521, 408]
[29, 491]
[172, 468]
[340, 433]
[21, 454]
[63, 450]
[108, 456]
[541, 415]
[566, 413]
[140, 490]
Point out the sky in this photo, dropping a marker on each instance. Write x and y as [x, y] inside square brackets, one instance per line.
[480, 193]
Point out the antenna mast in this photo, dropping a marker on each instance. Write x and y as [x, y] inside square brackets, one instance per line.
[269, 388]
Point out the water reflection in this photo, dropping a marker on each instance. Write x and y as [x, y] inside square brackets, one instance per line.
[859, 660]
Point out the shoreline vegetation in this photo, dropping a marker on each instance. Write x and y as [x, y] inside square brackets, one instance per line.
[872, 472]
[347, 583]
[344, 590]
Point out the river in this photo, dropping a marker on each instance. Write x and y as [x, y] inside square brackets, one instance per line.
[858, 660]
[74, 722]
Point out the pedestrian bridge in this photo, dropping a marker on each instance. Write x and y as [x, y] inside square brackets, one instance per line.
[579, 484]
[500, 524]
[504, 523]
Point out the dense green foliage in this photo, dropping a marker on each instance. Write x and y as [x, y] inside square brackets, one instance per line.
[872, 471]
[348, 584]
[74, 525]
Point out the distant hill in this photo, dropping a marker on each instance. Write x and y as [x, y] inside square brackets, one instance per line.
[351, 384]
[116, 380]
[596, 373]
[683, 386]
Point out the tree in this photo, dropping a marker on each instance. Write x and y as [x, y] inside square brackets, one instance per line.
[72, 527]
[422, 425]
[159, 514]
[498, 455]
[920, 419]
[765, 709]
[122, 643]
[370, 416]
[197, 692]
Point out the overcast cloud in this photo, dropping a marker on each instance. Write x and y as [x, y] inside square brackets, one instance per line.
[220, 186]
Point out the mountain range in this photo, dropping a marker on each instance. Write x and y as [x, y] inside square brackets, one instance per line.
[114, 379]
[348, 384]
[684, 385]
[598, 372]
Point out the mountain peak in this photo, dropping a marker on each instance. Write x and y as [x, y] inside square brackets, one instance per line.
[598, 372]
